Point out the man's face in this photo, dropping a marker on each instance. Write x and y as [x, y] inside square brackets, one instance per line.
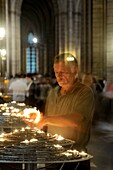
[65, 73]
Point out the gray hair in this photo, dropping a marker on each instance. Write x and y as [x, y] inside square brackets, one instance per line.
[66, 57]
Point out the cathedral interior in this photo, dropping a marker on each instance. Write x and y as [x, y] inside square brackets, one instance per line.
[36, 31]
[33, 32]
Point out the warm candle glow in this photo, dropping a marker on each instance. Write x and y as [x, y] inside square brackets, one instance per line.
[83, 153]
[40, 131]
[2, 135]
[25, 141]
[67, 154]
[37, 117]
[23, 129]
[58, 146]
[2, 139]
[33, 140]
[16, 130]
[21, 104]
[30, 111]
[6, 114]
[19, 115]
[27, 127]
[73, 151]
[58, 137]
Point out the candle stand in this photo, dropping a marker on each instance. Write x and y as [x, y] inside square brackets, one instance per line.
[32, 147]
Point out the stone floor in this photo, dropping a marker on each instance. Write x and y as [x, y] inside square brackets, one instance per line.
[101, 146]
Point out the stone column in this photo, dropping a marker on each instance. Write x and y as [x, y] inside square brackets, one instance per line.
[109, 60]
[7, 40]
[86, 38]
[60, 32]
[65, 31]
[77, 29]
[15, 42]
[70, 25]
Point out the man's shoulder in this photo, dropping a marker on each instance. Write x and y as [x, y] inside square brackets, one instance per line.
[54, 90]
[82, 87]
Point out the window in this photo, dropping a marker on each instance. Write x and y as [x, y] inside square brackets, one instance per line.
[31, 54]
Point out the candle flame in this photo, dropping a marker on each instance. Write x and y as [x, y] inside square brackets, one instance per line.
[28, 112]
[58, 146]
[66, 154]
[82, 153]
[58, 137]
[33, 140]
[25, 141]
[37, 117]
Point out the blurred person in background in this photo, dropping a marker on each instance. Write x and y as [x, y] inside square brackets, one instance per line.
[18, 88]
[42, 89]
[87, 79]
[30, 92]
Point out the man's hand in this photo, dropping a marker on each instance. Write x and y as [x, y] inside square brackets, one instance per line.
[31, 120]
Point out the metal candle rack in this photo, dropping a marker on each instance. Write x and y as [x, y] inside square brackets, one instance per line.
[21, 144]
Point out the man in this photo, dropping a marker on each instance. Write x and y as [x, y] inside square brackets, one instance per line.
[69, 107]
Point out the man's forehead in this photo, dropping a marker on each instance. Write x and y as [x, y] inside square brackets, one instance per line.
[63, 67]
[61, 64]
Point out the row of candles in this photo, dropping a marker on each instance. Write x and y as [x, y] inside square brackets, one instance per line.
[13, 111]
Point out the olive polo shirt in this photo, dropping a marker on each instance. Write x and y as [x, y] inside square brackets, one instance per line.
[79, 101]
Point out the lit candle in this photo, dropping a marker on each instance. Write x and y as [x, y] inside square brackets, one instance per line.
[2, 135]
[66, 154]
[73, 151]
[13, 102]
[23, 129]
[58, 146]
[21, 104]
[58, 137]
[83, 153]
[30, 111]
[19, 115]
[2, 139]
[16, 130]
[33, 140]
[6, 114]
[25, 141]
[37, 117]
[27, 127]
[40, 131]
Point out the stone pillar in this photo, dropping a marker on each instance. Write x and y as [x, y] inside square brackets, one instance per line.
[86, 39]
[45, 60]
[2, 41]
[109, 60]
[56, 34]
[70, 25]
[99, 37]
[64, 28]
[41, 59]
[7, 40]
[77, 30]
[15, 42]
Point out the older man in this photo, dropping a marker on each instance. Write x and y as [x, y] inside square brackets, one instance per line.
[69, 107]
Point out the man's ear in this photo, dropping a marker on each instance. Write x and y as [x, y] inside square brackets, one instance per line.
[74, 69]
[76, 72]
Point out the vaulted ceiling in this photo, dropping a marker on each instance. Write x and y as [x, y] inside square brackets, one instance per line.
[38, 17]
